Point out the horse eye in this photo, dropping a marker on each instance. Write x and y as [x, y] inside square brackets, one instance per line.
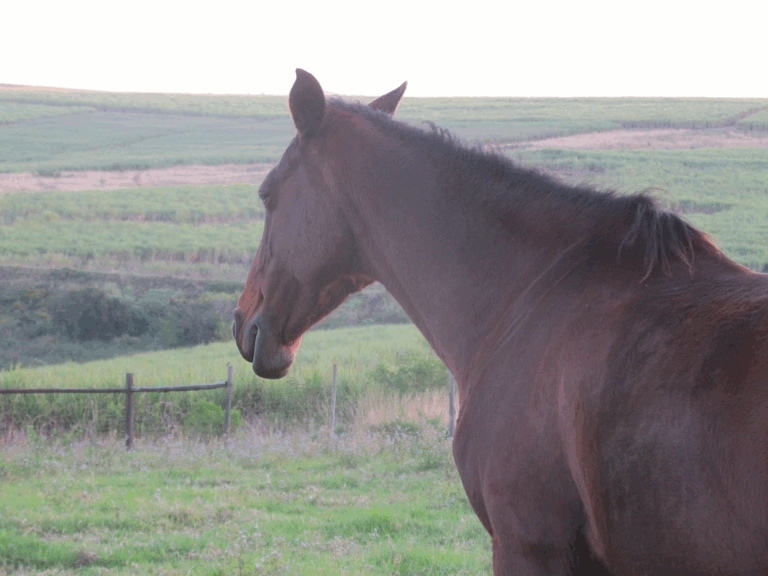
[263, 196]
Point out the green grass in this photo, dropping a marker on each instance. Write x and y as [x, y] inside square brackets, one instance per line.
[390, 360]
[268, 504]
[275, 500]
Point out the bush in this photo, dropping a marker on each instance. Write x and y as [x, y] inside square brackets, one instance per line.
[413, 373]
[187, 323]
[90, 314]
[207, 419]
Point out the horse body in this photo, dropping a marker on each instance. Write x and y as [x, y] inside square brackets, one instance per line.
[612, 364]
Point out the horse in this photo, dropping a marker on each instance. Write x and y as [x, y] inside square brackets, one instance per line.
[611, 361]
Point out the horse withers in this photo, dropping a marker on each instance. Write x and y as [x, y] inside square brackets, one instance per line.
[612, 363]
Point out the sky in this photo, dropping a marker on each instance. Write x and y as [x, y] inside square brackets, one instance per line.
[366, 48]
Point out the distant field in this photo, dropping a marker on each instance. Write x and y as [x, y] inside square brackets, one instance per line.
[504, 120]
[263, 107]
[214, 231]
[196, 227]
[125, 131]
[16, 112]
[757, 121]
[120, 140]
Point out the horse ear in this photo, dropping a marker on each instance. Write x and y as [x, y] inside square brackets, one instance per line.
[388, 103]
[307, 104]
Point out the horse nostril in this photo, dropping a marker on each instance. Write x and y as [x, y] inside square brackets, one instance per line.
[237, 323]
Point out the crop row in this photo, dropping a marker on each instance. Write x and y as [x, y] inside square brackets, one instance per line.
[176, 204]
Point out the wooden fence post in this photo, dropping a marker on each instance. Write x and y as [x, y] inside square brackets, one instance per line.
[228, 406]
[129, 411]
[332, 427]
[451, 404]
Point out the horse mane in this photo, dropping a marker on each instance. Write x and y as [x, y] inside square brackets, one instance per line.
[641, 231]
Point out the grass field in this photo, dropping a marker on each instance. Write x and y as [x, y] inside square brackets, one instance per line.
[375, 504]
[373, 362]
[112, 130]
[383, 497]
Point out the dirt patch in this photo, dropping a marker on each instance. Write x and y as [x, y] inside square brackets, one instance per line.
[659, 139]
[112, 180]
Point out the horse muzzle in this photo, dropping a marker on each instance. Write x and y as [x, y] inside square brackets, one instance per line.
[259, 345]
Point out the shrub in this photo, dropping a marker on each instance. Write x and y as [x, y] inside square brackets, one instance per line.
[207, 419]
[186, 323]
[412, 373]
[90, 314]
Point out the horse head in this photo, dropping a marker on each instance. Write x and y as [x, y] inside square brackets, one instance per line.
[308, 261]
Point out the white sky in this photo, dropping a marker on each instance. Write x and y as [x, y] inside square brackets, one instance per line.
[368, 47]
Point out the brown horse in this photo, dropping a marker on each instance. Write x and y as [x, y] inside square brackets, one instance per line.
[612, 363]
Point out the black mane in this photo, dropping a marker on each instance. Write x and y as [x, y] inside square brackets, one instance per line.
[641, 228]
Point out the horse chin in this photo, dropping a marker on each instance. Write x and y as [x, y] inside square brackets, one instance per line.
[270, 359]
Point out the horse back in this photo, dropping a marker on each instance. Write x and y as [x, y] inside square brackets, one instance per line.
[677, 434]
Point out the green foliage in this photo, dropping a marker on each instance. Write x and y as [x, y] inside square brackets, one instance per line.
[206, 419]
[169, 204]
[412, 373]
[90, 314]
[399, 427]
[59, 315]
[43, 314]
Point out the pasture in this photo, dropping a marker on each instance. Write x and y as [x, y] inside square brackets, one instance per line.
[382, 503]
[378, 365]
[381, 498]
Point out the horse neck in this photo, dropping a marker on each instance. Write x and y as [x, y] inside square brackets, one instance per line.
[448, 261]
